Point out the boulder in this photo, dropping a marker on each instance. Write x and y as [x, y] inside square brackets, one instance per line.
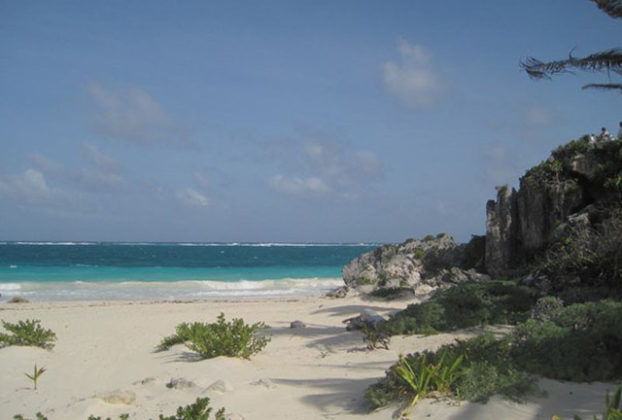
[366, 319]
[413, 264]
[297, 324]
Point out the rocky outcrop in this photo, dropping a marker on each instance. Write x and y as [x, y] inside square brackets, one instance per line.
[420, 265]
[578, 187]
[563, 192]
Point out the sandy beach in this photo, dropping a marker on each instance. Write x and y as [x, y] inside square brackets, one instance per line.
[318, 372]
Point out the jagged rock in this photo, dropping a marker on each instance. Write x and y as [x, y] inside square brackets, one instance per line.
[297, 324]
[413, 264]
[566, 192]
[339, 293]
[541, 208]
[366, 319]
[180, 383]
[118, 397]
[220, 386]
[500, 230]
[584, 165]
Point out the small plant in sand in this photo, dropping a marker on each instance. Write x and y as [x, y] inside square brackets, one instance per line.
[38, 416]
[36, 374]
[221, 338]
[375, 339]
[124, 416]
[199, 410]
[425, 376]
[27, 333]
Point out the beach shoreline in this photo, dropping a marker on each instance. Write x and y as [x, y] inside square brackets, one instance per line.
[316, 372]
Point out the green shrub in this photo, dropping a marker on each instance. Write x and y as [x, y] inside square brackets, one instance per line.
[27, 333]
[233, 339]
[465, 305]
[390, 293]
[557, 349]
[546, 308]
[199, 410]
[474, 369]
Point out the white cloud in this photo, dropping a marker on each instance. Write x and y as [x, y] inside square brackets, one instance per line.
[328, 167]
[412, 79]
[298, 186]
[192, 197]
[29, 187]
[133, 115]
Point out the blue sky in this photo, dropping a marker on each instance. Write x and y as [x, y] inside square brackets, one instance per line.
[282, 120]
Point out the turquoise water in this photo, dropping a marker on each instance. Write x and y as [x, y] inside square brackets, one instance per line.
[93, 271]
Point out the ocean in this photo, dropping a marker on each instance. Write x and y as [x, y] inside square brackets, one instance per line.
[63, 271]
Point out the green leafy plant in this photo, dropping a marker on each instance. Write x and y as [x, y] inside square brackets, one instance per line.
[221, 338]
[427, 373]
[416, 374]
[473, 369]
[124, 416]
[199, 410]
[36, 374]
[27, 333]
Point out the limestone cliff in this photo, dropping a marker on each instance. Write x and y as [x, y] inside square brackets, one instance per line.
[572, 186]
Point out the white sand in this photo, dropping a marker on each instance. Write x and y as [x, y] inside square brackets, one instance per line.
[319, 372]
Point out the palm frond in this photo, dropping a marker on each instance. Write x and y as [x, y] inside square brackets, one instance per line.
[612, 7]
[609, 60]
[603, 86]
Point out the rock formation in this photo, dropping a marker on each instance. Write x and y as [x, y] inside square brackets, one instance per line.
[420, 265]
[570, 188]
[577, 187]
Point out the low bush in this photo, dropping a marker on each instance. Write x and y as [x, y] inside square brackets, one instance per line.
[27, 333]
[221, 338]
[390, 293]
[473, 369]
[557, 348]
[579, 342]
[200, 410]
[466, 305]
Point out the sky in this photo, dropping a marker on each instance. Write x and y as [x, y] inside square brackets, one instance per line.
[282, 121]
